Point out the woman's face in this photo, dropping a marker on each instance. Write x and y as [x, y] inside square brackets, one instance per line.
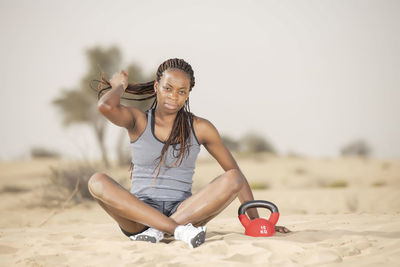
[172, 90]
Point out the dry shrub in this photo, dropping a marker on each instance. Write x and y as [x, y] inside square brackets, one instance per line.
[67, 178]
[378, 183]
[13, 189]
[356, 148]
[258, 186]
[255, 143]
[230, 143]
[300, 171]
[41, 152]
[338, 184]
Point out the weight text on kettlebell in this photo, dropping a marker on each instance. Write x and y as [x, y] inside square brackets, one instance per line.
[263, 229]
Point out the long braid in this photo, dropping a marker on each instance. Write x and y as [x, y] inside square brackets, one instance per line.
[134, 89]
[181, 129]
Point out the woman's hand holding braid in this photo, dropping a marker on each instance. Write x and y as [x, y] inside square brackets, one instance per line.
[119, 78]
[110, 103]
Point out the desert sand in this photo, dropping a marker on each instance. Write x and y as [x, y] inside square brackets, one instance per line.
[342, 211]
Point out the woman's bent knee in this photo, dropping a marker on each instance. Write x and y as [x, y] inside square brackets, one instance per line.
[96, 186]
[234, 179]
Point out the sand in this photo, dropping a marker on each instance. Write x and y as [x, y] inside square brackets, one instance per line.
[343, 211]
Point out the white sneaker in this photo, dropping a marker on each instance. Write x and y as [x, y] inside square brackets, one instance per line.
[194, 236]
[150, 235]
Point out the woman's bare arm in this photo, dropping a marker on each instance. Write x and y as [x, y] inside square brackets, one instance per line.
[213, 143]
[110, 103]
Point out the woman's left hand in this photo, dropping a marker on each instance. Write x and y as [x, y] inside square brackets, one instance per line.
[282, 229]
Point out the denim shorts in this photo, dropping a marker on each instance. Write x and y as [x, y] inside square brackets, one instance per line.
[166, 207]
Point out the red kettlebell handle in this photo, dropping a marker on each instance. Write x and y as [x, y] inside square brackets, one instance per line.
[258, 204]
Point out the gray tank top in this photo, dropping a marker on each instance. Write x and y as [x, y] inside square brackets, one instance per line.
[172, 183]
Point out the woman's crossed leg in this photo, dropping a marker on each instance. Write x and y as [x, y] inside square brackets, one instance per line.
[133, 215]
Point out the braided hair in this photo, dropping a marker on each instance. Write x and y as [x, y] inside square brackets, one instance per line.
[181, 129]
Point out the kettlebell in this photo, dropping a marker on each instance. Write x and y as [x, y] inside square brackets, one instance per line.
[259, 226]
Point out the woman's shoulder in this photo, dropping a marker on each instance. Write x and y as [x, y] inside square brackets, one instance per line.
[202, 128]
[199, 121]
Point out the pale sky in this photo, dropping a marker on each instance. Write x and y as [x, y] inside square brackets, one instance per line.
[310, 76]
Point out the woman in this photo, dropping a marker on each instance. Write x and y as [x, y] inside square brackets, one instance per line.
[165, 142]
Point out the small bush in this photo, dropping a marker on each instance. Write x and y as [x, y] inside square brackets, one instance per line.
[300, 171]
[258, 186]
[230, 143]
[66, 178]
[41, 152]
[254, 143]
[356, 148]
[378, 183]
[338, 184]
[13, 189]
